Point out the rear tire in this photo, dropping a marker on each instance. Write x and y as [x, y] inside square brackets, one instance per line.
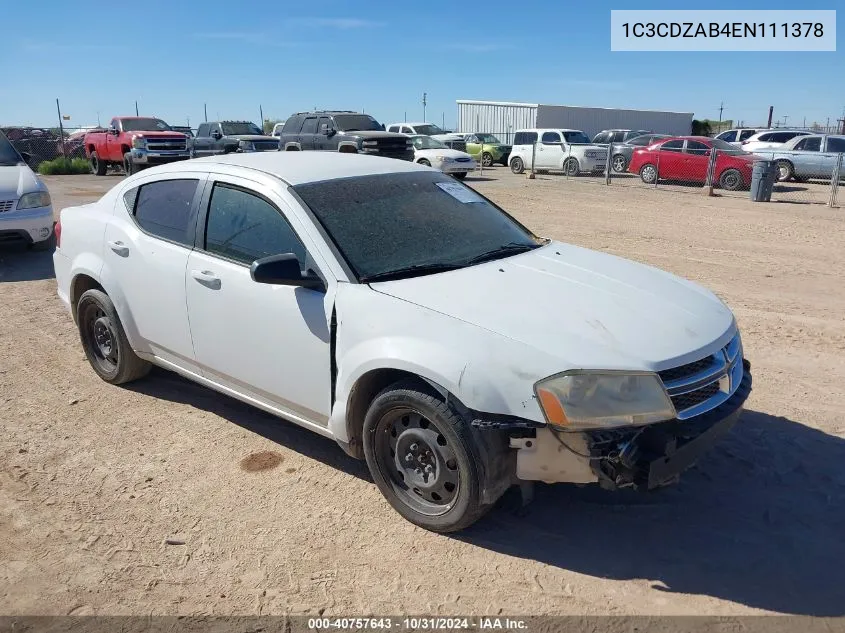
[487, 159]
[423, 458]
[104, 341]
[98, 167]
[730, 180]
[460, 175]
[517, 166]
[785, 170]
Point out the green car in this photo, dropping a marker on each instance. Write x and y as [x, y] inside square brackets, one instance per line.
[487, 149]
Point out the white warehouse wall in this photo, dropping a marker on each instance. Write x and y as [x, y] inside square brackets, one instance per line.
[504, 118]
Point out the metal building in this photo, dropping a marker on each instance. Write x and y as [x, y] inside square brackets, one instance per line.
[504, 118]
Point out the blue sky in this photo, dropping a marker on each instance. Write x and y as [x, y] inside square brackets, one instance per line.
[98, 57]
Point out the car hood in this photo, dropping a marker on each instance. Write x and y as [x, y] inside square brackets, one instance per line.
[590, 309]
[16, 180]
[253, 137]
[158, 134]
[451, 153]
[374, 134]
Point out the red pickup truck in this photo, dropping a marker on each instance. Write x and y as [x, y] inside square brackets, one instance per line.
[135, 142]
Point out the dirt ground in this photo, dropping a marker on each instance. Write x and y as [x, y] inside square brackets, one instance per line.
[163, 497]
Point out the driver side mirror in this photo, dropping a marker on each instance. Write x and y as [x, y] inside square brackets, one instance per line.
[283, 270]
[330, 132]
[216, 135]
[114, 131]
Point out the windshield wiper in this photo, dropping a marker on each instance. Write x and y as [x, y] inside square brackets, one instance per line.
[507, 249]
[411, 271]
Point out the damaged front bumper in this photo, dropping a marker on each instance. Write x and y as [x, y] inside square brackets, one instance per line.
[643, 457]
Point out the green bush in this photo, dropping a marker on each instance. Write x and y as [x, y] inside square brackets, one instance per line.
[62, 165]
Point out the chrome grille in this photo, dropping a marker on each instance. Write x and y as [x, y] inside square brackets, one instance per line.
[169, 144]
[6, 205]
[697, 387]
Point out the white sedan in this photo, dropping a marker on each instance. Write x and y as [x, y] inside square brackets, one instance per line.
[431, 152]
[26, 212]
[400, 313]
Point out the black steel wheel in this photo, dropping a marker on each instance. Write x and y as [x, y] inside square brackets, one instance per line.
[421, 453]
[98, 167]
[104, 340]
[730, 180]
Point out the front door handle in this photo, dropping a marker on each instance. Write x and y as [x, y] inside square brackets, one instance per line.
[207, 278]
[120, 248]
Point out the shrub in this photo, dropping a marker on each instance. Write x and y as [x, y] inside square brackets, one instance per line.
[62, 165]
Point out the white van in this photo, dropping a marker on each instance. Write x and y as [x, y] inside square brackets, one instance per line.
[569, 151]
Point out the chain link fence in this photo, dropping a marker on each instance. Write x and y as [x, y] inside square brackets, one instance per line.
[37, 144]
[678, 166]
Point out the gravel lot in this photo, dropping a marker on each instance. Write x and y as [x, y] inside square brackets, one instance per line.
[163, 497]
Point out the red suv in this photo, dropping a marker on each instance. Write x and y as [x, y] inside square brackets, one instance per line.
[686, 158]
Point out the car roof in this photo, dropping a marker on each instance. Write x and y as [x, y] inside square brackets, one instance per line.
[296, 168]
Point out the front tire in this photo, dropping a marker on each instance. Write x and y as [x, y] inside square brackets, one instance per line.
[517, 166]
[460, 175]
[422, 457]
[648, 174]
[619, 163]
[98, 167]
[104, 341]
[128, 166]
[570, 167]
[424, 161]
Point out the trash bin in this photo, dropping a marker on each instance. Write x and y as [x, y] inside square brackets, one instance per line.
[763, 177]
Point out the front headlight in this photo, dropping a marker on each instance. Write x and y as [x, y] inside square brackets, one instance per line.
[246, 146]
[139, 142]
[442, 159]
[34, 200]
[585, 400]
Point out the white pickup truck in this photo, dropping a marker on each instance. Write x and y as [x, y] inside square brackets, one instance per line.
[389, 307]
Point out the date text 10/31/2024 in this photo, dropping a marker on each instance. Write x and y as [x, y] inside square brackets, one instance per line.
[418, 623]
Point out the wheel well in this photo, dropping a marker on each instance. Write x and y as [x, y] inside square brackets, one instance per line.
[347, 149]
[91, 149]
[79, 285]
[124, 149]
[291, 148]
[366, 388]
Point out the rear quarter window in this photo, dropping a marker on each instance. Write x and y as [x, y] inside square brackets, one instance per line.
[164, 209]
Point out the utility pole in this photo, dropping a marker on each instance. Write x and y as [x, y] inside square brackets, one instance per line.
[721, 107]
[261, 111]
[205, 111]
[785, 117]
[771, 110]
[136, 107]
[61, 128]
[424, 104]
[443, 126]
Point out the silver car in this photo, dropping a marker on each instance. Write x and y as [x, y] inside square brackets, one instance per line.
[622, 152]
[806, 157]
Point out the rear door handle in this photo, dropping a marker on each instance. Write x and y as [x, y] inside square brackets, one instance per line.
[207, 278]
[120, 248]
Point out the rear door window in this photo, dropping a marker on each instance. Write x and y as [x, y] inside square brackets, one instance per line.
[836, 145]
[293, 125]
[551, 137]
[310, 125]
[697, 147]
[728, 136]
[746, 134]
[672, 146]
[165, 209]
[813, 144]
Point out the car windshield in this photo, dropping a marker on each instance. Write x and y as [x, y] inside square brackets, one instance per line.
[575, 138]
[236, 129]
[353, 122]
[390, 226]
[487, 138]
[726, 148]
[426, 142]
[428, 129]
[8, 155]
[144, 125]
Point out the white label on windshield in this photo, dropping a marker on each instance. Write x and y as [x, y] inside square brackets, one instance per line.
[459, 192]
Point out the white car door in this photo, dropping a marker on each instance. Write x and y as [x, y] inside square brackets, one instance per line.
[148, 239]
[550, 151]
[270, 343]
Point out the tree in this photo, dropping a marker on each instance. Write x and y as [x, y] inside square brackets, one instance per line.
[701, 128]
